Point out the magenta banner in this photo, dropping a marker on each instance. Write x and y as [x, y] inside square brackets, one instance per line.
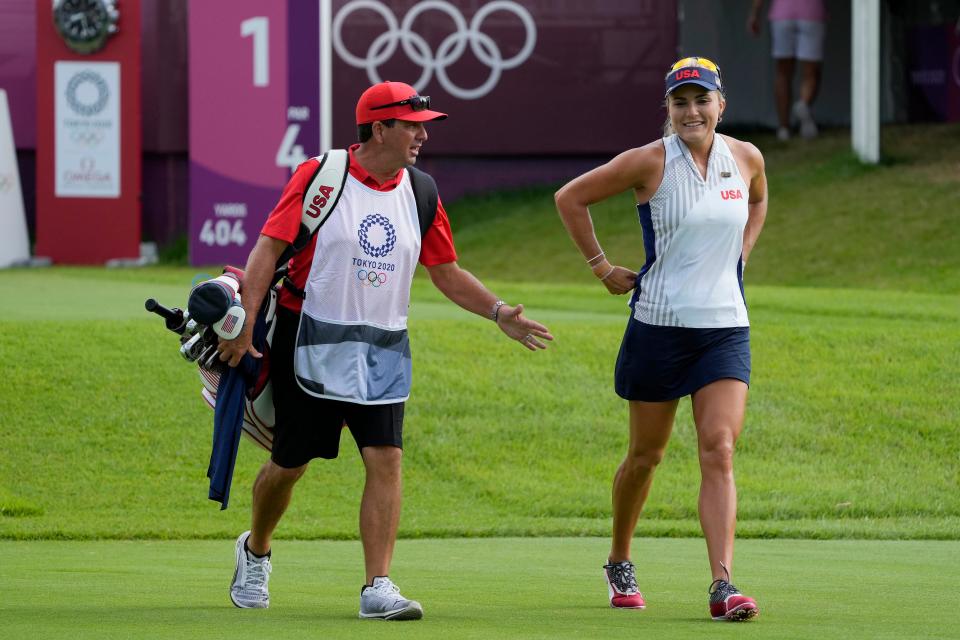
[18, 67]
[518, 78]
[253, 116]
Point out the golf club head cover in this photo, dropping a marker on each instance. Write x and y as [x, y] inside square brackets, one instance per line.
[229, 326]
[211, 300]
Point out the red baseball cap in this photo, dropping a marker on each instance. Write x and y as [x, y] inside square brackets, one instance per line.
[395, 100]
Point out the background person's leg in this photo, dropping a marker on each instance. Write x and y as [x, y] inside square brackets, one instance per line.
[810, 37]
[810, 71]
[783, 93]
[809, 87]
[783, 41]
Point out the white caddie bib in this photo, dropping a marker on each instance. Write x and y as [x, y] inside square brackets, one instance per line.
[352, 344]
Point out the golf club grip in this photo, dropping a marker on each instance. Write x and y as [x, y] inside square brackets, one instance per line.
[153, 306]
[173, 317]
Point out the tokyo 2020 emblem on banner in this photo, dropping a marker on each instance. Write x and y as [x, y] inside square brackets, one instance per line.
[87, 121]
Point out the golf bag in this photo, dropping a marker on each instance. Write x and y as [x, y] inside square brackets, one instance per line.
[258, 413]
[214, 309]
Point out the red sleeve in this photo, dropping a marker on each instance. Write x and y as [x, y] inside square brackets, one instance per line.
[284, 221]
[436, 247]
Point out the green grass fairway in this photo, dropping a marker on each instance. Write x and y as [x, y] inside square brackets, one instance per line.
[502, 588]
[847, 470]
[851, 430]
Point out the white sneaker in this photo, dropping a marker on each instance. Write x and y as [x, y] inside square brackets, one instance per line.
[801, 111]
[249, 588]
[783, 134]
[383, 600]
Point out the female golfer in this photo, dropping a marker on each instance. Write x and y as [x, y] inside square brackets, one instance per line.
[702, 200]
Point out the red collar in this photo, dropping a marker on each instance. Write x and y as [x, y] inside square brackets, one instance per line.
[361, 174]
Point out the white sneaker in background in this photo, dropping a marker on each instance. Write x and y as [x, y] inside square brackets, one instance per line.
[783, 134]
[801, 111]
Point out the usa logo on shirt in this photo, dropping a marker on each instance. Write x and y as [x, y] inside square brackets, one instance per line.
[731, 194]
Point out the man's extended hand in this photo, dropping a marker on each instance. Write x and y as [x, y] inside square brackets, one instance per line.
[528, 332]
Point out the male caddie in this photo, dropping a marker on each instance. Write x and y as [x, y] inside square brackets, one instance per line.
[340, 352]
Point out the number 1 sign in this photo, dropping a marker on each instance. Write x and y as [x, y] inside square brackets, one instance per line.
[254, 91]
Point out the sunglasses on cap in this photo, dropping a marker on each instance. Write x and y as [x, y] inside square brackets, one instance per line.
[417, 103]
[694, 61]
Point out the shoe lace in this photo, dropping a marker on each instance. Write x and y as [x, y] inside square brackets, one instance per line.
[720, 590]
[385, 587]
[624, 576]
[258, 572]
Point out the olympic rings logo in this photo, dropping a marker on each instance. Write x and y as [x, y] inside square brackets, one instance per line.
[92, 108]
[377, 251]
[86, 138]
[450, 50]
[371, 278]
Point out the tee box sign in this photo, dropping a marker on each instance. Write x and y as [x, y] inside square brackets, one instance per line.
[254, 93]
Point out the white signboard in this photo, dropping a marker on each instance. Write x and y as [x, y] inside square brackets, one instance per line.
[87, 120]
[14, 244]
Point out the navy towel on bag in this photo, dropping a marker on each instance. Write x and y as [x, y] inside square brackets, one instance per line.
[228, 416]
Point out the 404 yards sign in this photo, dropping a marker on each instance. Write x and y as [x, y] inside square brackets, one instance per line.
[254, 93]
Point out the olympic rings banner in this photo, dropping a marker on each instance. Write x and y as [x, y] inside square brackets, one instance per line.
[401, 37]
[518, 77]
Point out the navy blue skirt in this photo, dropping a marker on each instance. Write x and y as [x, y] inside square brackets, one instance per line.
[663, 363]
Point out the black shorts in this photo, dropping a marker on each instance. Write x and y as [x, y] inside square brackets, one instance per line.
[657, 363]
[308, 427]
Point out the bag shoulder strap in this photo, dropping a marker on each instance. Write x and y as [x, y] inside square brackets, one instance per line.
[425, 193]
[319, 198]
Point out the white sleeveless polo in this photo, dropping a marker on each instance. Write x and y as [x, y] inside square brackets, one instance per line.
[693, 239]
[352, 344]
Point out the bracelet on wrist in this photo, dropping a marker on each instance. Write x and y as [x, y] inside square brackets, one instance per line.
[591, 260]
[495, 310]
[600, 267]
[608, 273]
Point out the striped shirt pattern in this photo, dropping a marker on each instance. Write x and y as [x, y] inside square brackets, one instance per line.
[693, 240]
